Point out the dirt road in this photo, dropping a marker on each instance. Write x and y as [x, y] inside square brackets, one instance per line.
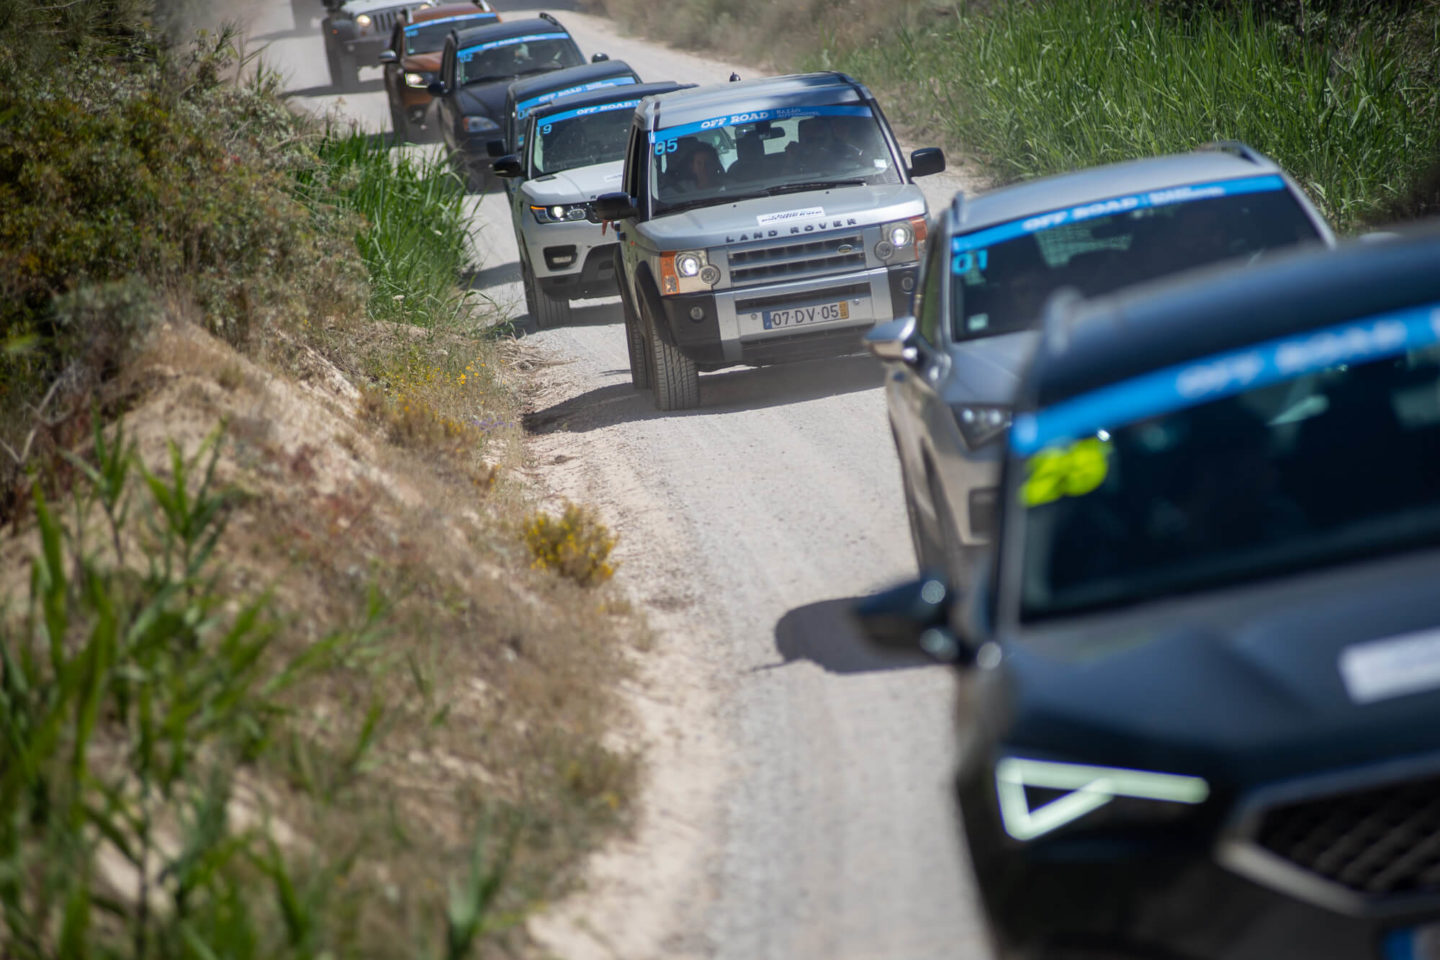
[796, 803]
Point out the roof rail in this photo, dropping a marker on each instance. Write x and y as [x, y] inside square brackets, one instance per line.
[1236, 148]
[550, 17]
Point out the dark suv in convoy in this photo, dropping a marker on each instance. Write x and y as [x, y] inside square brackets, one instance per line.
[993, 262]
[761, 221]
[412, 61]
[476, 71]
[1202, 715]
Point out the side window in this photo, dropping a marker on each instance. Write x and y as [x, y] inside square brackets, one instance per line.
[930, 298]
[634, 160]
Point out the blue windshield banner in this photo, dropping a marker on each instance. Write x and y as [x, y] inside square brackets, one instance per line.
[475, 18]
[587, 111]
[523, 108]
[990, 236]
[469, 53]
[756, 116]
[1226, 374]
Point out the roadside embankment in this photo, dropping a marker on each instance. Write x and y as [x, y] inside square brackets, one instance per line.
[1344, 94]
[290, 666]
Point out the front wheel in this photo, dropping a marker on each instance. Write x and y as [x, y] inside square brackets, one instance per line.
[675, 377]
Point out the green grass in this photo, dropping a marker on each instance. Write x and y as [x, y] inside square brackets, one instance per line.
[1351, 107]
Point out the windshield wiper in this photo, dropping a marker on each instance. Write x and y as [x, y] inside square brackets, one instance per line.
[775, 191]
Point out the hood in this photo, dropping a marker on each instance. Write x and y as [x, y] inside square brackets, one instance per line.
[1245, 685]
[790, 214]
[988, 370]
[484, 99]
[581, 183]
[423, 62]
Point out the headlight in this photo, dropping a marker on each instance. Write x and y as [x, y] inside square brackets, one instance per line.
[481, 125]
[981, 423]
[1085, 790]
[560, 213]
[363, 20]
[902, 240]
[416, 80]
[687, 272]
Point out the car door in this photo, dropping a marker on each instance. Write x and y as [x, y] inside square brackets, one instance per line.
[913, 391]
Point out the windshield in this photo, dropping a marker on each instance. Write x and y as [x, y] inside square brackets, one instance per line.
[429, 36]
[516, 56]
[1002, 275]
[581, 138]
[1292, 454]
[768, 152]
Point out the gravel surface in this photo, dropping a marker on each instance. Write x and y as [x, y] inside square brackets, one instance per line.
[796, 803]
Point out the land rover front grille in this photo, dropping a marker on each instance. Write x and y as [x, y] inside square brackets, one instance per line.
[1379, 842]
[797, 259]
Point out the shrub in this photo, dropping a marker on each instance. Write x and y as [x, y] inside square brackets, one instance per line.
[575, 545]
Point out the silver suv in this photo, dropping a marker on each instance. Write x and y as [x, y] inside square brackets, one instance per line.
[997, 260]
[572, 150]
[761, 222]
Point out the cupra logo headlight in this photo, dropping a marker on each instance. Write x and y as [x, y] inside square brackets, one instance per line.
[1089, 789]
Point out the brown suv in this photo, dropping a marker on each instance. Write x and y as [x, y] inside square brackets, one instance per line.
[412, 62]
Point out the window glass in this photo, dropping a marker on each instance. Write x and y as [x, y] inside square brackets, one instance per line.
[1332, 460]
[767, 153]
[1002, 275]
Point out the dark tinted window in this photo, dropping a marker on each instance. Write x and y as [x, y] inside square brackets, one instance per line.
[1335, 463]
[1001, 287]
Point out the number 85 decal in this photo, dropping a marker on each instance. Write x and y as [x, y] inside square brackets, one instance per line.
[663, 147]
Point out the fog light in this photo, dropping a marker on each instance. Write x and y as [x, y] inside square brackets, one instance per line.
[697, 314]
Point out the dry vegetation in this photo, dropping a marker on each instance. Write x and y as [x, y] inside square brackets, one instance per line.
[279, 673]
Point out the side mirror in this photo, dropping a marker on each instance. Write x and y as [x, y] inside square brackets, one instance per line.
[615, 206]
[508, 167]
[436, 89]
[495, 148]
[910, 616]
[894, 341]
[925, 161]
[388, 56]
[600, 58]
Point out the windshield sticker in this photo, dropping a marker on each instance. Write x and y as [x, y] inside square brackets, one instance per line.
[550, 121]
[468, 54]
[1392, 667]
[1224, 375]
[523, 108]
[1070, 471]
[1104, 208]
[785, 216]
[754, 116]
[477, 18]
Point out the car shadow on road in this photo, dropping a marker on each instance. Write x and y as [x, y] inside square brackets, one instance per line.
[824, 634]
[330, 90]
[727, 391]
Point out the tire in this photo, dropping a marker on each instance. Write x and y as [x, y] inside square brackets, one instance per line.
[674, 376]
[929, 556]
[400, 124]
[548, 312]
[634, 335]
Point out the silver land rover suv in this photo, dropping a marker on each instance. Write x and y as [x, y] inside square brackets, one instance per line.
[572, 150]
[760, 222]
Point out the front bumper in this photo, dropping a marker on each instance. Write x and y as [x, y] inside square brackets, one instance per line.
[1146, 891]
[728, 326]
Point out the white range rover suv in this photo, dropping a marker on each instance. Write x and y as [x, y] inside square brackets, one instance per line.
[573, 151]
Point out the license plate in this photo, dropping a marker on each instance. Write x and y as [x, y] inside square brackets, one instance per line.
[798, 316]
[1415, 943]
